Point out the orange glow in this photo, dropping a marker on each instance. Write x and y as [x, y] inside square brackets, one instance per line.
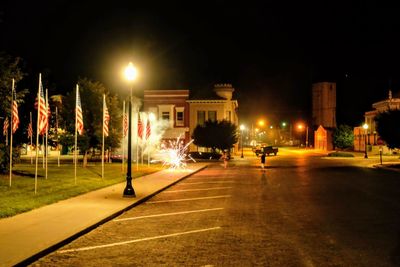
[261, 123]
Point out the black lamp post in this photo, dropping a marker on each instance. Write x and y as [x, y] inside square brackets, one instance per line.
[130, 73]
[365, 126]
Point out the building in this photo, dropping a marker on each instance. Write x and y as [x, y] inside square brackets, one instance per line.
[323, 114]
[324, 104]
[171, 106]
[371, 136]
[216, 106]
[182, 114]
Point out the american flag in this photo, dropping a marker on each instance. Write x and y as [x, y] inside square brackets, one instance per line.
[125, 132]
[5, 126]
[148, 129]
[43, 115]
[140, 128]
[79, 117]
[106, 119]
[15, 118]
[30, 130]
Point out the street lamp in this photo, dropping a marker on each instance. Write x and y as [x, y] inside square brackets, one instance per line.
[241, 137]
[365, 126]
[130, 75]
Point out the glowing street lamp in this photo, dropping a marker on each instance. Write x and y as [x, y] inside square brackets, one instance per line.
[365, 126]
[241, 137]
[301, 127]
[130, 74]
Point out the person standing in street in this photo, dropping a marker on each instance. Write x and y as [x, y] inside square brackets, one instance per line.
[263, 161]
[224, 157]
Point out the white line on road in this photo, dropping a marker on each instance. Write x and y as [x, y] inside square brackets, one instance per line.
[166, 214]
[211, 182]
[198, 189]
[186, 199]
[137, 240]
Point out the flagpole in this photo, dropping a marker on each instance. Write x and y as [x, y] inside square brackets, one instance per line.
[30, 116]
[12, 126]
[47, 130]
[123, 135]
[137, 143]
[102, 147]
[43, 148]
[76, 129]
[37, 132]
[58, 147]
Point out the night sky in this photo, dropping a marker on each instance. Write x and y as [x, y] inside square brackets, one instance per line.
[270, 51]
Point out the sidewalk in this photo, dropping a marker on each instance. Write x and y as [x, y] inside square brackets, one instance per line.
[29, 235]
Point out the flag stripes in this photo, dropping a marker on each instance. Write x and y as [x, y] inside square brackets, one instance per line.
[6, 124]
[15, 117]
[140, 127]
[43, 114]
[30, 130]
[148, 129]
[106, 120]
[79, 116]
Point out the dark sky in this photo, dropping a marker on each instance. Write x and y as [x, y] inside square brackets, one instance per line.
[271, 51]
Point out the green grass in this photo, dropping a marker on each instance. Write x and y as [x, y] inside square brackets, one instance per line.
[341, 154]
[59, 185]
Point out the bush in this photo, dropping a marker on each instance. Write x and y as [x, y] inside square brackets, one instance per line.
[5, 157]
[205, 155]
[341, 154]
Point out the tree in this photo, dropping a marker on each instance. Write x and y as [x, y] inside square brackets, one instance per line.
[387, 126]
[91, 94]
[9, 69]
[343, 137]
[215, 135]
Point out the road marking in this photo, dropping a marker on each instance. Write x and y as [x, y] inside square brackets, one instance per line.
[186, 199]
[214, 182]
[198, 189]
[137, 240]
[166, 214]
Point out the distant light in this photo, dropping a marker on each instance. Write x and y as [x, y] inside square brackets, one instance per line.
[130, 72]
[284, 124]
[300, 126]
[365, 126]
[242, 127]
[261, 123]
[271, 127]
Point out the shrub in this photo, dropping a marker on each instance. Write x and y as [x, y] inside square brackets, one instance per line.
[341, 154]
[205, 155]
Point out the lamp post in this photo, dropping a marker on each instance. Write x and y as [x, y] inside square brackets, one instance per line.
[365, 126]
[241, 138]
[130, 75]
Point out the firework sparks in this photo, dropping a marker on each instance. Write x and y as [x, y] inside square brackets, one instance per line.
[174, 154]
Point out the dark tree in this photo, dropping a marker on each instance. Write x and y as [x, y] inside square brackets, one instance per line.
[91, 94]
[343, 137]
[215, 135]
[387, 126]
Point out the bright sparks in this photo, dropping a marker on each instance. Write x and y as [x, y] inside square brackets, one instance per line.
[174, 154]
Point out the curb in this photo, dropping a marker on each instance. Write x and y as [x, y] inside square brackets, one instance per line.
[62, 243]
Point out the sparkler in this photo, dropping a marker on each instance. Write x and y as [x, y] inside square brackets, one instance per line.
[174, 155]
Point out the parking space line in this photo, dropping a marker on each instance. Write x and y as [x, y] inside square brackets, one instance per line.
[210, 182]
[137, 240]
[166, 214]
[198, 189]
[186, 199]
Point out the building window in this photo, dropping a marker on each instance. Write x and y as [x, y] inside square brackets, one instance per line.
[201, 117]
[165, 115]
[212, 115]
[228, 116]
[179, 118]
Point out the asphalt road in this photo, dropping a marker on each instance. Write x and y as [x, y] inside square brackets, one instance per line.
[303, 210]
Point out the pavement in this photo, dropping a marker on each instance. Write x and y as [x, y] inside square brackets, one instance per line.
[31, 235]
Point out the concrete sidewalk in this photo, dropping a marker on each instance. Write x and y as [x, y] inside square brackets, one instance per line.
[27, 236]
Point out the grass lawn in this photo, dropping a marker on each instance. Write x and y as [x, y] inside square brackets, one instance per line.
[59, 185]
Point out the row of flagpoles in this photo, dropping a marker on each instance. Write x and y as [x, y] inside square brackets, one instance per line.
[43, 114]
